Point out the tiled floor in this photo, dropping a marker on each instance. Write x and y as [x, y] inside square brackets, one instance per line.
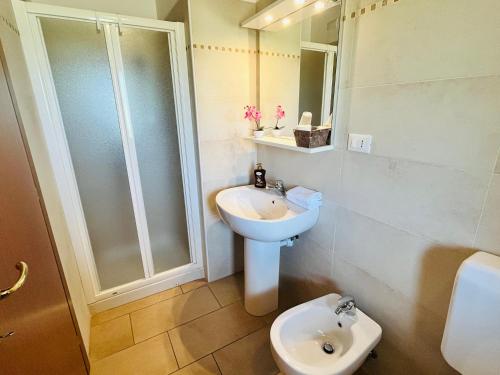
[196, 329]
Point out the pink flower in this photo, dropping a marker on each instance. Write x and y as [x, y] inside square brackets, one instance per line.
[249, 112]
[280, 113]
[252, 114]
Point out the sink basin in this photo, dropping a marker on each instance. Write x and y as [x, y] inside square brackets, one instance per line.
[299, 334]
[263, 215]
[267, 221]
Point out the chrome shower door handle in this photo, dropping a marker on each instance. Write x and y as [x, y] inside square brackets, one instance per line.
[23, 270]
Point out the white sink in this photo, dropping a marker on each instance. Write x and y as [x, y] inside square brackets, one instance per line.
[298, 336]
[263, 215]
[265, 219]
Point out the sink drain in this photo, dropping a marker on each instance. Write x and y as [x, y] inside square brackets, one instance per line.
[328, 348]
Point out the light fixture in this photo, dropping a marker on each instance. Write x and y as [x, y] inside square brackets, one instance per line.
[319, 5]
[285, 21]
[268, 18]
[300, 2]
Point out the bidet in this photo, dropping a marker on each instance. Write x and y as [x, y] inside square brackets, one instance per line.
[309, 339]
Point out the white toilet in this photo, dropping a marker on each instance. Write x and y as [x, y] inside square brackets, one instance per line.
[311, 339]
[471, 339]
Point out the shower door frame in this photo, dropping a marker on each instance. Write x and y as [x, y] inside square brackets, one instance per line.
[33, 44]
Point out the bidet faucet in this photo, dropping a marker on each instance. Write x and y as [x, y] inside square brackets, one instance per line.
[345, 304]
[278, 186]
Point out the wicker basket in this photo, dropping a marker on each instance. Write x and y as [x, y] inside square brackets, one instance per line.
[311, 139]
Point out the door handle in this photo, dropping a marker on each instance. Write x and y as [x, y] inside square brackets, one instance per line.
[23, 270]
[7, 335]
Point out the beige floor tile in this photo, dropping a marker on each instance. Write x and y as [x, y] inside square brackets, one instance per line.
[110, 337]
[204, 366]
[135, 305]
[168, 314]
[271, 317]
[211, 332]
[195, 284]
[151, 357]
[250, 355]
[229, 289]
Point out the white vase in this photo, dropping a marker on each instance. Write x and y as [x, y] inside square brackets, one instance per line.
[258, 133]
[276, 132]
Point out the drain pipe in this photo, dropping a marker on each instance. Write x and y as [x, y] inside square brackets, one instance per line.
[289, 242]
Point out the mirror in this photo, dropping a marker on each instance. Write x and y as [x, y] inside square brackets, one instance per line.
[297, 68]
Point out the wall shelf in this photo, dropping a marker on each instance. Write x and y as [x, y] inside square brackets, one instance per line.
[288, 143]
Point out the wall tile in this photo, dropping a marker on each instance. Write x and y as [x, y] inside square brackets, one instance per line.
[224, 247]
[314, 171]
[412, 333]
[448, 122]
[227, 159]
[341, 122]
[322, 231]
[426, 40]
[224, 83]
[488, 237]
[225, 251]
[422, 270]
[439, 203]
[219, 20]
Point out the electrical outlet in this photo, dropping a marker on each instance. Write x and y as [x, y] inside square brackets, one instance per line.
[360, 143]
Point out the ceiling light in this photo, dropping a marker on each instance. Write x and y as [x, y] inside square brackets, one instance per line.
[300, 2]
[319, 5]
[285, 21]
[268, 18]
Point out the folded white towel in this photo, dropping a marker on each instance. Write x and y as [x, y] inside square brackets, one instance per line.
[304, 197]
[305, 119]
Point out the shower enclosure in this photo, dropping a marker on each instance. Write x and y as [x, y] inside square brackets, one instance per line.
[113, 98]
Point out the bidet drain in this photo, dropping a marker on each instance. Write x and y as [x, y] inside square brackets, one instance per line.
[328, 348]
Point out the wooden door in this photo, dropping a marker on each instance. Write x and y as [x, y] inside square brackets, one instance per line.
[44, 339]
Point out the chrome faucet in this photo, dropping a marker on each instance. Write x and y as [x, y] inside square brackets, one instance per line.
[345, 304]
[279, 187]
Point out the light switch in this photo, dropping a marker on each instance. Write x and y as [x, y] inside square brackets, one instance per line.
[360, 143]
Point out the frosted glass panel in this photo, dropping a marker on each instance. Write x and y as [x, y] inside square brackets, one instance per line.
[148, 77]
[80, 68]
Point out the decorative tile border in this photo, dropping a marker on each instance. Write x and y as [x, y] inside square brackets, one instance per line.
[213, 48]
[7, 23]
[368, 9]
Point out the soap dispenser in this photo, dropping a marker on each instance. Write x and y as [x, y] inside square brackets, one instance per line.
[260, 176]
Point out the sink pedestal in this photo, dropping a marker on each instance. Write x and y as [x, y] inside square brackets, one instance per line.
[262, 268]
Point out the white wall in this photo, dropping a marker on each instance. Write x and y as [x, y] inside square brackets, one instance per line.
[31, 122]
[423, 78]
[225, 81]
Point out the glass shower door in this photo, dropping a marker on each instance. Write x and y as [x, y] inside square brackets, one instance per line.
[150, 93]
[81, 73]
